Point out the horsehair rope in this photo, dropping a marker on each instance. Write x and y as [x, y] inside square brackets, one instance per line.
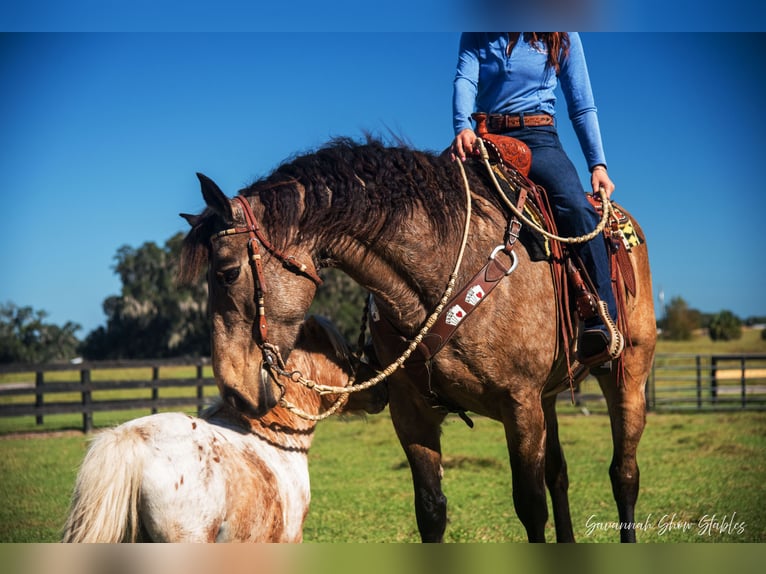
[297, 376]
[607, 211]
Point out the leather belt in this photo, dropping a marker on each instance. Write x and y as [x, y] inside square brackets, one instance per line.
[504, 122]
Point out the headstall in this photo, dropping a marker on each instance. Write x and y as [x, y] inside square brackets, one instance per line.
[253, 247]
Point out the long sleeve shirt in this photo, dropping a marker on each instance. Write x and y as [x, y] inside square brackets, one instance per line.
[489, 80]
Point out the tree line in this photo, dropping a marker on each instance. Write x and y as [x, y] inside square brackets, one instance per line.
[155, 317]
[680, 323]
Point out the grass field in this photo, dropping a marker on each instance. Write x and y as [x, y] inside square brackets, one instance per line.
[703, 479]
[694, 467]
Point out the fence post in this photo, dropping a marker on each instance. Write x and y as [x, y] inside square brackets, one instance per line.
[155, 388]
[698, 363]
[743, 380]
[714, 379]
[200, 388]
[39, 394]
[87, 414]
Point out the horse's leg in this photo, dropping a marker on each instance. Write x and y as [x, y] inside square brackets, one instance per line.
[418, 427]
[524, 424]
[627, 414]
[556, 477]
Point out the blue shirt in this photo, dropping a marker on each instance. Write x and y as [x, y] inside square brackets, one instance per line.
[488, 80]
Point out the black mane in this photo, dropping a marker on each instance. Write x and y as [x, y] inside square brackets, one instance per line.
[371, 188]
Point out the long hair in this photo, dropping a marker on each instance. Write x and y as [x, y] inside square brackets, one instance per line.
[557, 44]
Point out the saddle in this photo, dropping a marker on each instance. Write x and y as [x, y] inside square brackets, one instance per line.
[509, 155]
[504, 150]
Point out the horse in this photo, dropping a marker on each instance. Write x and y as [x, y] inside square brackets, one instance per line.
[391, 218]
[223, 477]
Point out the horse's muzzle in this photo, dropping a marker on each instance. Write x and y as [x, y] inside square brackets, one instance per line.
[254, 407]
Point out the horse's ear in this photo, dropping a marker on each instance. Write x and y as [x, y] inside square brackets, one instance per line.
[192, 220]
[214, 197]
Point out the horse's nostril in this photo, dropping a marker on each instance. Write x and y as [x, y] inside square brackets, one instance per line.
[233, 399]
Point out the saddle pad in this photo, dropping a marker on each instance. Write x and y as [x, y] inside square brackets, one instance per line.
[630, 236]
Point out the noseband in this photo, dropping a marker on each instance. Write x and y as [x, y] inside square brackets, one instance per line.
[253, 247]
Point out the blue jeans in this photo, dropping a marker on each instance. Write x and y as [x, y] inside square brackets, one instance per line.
[552, 168]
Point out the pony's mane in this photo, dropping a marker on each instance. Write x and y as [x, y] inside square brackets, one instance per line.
[371, 189]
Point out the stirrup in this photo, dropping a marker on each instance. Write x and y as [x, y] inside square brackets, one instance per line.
[596, 348]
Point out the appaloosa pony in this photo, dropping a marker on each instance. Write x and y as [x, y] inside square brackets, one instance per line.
[223, 477]
[392, 219]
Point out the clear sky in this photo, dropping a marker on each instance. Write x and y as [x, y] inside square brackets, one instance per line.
[101, 136]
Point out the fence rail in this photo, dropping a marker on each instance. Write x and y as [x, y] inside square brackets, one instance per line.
[713, 382]
[678, 382]
[77, 397]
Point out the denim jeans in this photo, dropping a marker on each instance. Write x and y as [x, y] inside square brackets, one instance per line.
[552, 169]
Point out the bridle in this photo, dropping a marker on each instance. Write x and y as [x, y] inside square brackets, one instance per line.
[257, 239]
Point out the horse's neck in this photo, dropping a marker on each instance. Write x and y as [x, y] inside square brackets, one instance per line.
[404, 275]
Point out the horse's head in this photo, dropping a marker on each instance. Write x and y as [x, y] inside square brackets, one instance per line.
[258, 297]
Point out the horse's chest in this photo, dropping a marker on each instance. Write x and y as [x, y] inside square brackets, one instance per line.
[267, 495]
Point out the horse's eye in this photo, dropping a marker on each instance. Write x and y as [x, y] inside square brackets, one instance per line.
[229, 276]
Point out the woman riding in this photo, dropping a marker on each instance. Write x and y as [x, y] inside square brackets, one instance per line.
[511, 76]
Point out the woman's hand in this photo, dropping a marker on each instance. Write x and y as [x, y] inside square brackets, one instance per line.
[464, 143]
[600, 178]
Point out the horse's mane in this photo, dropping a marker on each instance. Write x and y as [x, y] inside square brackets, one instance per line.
[372, 190]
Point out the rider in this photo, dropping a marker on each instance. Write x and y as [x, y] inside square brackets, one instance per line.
[514, 75]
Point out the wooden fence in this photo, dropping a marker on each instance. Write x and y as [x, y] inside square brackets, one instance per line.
[77, 396]
[715, 382]
[678, 382]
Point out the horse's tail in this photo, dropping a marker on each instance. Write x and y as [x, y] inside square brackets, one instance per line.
[104, 504]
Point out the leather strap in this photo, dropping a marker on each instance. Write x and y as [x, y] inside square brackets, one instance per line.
[256, 264]
[477, 289]
[464, 303]
[504, 122]
[616, 247]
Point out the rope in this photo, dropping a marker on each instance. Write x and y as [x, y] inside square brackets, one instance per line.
[393, 367]
[581, 239]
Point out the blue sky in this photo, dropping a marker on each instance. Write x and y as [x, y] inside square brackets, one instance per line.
[102, 135]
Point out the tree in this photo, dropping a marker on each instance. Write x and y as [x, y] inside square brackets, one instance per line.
[25, 337]
[341, 299]
[153, 316]
[680, 321]
[725, 326]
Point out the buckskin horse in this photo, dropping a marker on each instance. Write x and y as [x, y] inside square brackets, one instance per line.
[224, 477]
[391, 218]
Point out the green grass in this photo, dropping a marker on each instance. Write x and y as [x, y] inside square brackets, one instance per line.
[692, 465]
[36, 478]
[701, 344]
